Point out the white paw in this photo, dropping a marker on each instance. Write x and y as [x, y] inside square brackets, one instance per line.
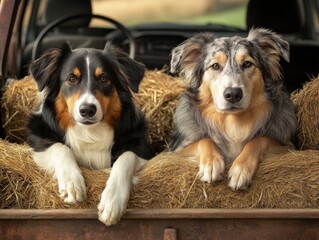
[113, 204]
[72, 187]
[239, 177]
[211, 171]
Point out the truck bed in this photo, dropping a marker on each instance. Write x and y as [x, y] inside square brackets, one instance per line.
[168, 224]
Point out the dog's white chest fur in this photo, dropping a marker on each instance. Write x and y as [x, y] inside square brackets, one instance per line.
[236, 136]
[234, 147]
[91, 144]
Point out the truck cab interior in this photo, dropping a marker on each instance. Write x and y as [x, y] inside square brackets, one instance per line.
[42, 24]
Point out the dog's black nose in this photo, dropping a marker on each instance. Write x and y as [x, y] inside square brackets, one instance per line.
[233, 95]
[87, 110]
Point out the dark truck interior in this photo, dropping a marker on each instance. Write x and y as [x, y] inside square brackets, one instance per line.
[296, 20]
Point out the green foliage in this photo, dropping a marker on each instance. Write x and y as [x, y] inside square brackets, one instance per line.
[232, 17]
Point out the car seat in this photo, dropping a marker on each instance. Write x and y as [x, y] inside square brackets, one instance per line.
[288, 18]
[77, 31]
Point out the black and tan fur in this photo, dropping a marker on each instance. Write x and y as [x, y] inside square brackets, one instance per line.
[88, 119]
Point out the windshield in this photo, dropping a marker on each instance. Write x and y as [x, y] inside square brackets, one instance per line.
[134, 12]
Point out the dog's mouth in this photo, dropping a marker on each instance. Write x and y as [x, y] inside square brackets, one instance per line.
[87, 122]
[230, 108]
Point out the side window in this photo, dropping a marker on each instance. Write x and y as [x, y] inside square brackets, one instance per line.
[32, 21]
[230, 12]
[40, 21]
[26, 22]
[316, 17]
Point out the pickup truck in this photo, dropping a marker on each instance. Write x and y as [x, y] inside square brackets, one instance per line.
[28, 27]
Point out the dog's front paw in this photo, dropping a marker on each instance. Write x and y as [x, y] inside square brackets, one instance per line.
[72, 187]
[112, 205]
[213, 170]
[240, 176]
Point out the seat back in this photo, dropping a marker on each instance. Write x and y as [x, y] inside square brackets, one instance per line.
[55, 9]
[282, 16]
[77, 31]
[287, 18]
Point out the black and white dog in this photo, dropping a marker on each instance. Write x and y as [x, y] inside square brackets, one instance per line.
[87, 119]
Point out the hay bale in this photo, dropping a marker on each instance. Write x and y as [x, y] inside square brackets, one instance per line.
[157, 99]
[19, 98]
[15, 190]
[24, 185]
[284, 181]
[306, 101]
[167, 181]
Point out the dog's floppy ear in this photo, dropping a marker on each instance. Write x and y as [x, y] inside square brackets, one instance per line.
[185, 56]
[130, 72]
[44, 69]
[272, 46]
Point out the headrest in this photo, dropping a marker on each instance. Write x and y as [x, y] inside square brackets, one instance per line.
[55, 9]
[281, 16]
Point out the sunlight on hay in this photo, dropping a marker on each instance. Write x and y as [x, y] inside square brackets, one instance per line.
[286, 181]
[19, 98]
[167, 181]
[157, 98]
[24, 185]
[306, 101]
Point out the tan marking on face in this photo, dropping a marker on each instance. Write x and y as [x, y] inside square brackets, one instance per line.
[211, 74]
[238, 125]
[252, 77]
[98, 71]
[111, 107]
[207, 106]
[213, 78]
[220, 58]
[77, 72]
[63, 108]
[205, 94]
[258, 92]
[242, 56]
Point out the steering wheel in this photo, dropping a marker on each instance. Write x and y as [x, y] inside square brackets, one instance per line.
[59, 21]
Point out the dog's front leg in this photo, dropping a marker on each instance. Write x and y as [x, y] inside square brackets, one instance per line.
[211, 162]
[116, 194]
[244, 167]
[59, 160]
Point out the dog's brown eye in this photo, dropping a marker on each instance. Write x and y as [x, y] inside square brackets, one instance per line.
[247, 64]
[216, 66]
[103, 78]
[72, 79]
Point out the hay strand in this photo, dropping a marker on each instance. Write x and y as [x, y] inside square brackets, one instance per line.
[157, 98]
[284, 181]
[19, 98]
[167, 181]
[306, 101]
